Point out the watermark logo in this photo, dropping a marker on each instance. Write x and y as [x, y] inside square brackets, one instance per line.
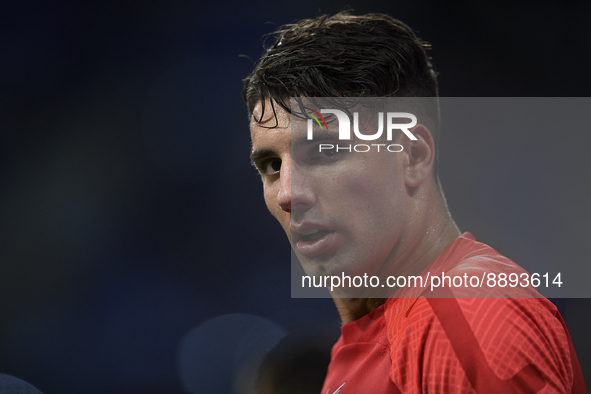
[314, 115]
[344, 125]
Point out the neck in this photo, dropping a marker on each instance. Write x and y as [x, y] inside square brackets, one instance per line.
[414, 253]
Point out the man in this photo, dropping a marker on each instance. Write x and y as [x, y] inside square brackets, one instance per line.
[383, 214]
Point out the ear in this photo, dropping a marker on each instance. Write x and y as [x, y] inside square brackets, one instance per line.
[421, 156]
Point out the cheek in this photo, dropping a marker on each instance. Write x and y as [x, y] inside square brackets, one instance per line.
[377, 202]
[364, 192]
[271, 200]
[365, 182]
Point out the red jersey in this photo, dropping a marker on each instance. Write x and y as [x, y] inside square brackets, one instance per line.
[457, 345]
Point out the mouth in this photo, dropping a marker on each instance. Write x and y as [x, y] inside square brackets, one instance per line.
[314, 241]
[313, 235]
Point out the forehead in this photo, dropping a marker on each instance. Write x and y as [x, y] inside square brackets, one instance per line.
[269, 115]
[273, 130]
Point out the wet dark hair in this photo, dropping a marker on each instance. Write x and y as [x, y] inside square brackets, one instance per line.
[344, 55]
[348, 56]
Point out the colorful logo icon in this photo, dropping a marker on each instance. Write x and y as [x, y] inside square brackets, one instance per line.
[315, 117]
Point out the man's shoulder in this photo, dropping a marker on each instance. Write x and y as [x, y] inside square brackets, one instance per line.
[467, 268]
[466, 253]
[477, 343]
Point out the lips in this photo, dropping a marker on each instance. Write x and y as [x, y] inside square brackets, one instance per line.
[311, 239]
[313, 235]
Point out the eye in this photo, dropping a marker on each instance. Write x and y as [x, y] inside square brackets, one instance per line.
[323, 154]
[327, 153]
[272, 166]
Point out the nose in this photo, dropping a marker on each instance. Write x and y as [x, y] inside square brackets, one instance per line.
[295, 193]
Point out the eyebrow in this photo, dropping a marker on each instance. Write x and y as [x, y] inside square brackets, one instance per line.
[297, 142]
[319, 136]
[260, 154]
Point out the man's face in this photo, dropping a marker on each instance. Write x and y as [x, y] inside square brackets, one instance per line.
[342, 212]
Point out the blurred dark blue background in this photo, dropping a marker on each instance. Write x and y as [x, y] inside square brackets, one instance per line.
[129, 210]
